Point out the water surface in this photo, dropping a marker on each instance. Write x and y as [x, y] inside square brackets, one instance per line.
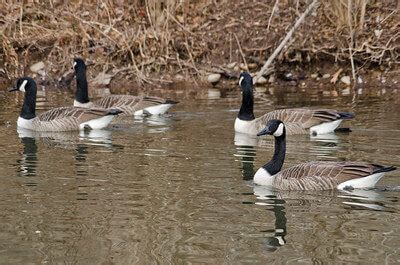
[177, 189]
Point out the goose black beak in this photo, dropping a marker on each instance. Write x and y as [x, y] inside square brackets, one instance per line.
[264, 131]
[13, 89]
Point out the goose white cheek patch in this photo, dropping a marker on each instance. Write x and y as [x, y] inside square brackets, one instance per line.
[22, 86]
[240, 80]
[73, 65]
[279, 131]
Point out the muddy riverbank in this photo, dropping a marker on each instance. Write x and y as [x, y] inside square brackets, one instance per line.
[162, 43]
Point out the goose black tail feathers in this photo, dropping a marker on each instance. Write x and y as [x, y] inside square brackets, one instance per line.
[114, 112]
[346, 115]
[381, 169]
[169, 101]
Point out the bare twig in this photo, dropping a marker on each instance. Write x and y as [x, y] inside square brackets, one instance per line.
[241, 52]
[272, 14]
[288, 36]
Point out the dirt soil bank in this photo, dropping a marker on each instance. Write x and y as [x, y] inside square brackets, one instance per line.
[159, 43]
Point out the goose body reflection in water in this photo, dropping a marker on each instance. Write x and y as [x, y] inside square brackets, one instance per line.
[80, 142]
[269, 197]
[69, 139]
[29, 160]
[289, 206]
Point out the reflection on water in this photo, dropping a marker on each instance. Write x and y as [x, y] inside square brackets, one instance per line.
[28, 160]
[270, 198]
[178, 188]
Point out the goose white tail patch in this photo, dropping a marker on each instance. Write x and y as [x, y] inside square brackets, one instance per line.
[99, 123]
[326, 127]
[361, 183]
[22, 86]
[155, 110]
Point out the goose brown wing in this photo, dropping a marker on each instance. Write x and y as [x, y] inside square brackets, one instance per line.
[66, 118]
[297, 121]
[81, 114]
[321, 175]
[117, 101]
[127, 103]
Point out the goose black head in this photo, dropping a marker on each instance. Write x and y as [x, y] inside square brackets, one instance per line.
[273, 127]
[79, 64]
[245, 81]
[23, 84]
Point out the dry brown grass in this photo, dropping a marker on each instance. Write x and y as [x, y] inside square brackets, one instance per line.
[138, 35]
[340, 9]
[147, 39]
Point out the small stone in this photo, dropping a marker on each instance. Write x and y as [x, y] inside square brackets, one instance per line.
[213, 78]
[214, 93]
[37, 67]
[359, 80]
[243, 67]
[260, 89]
[325, 76]
[42, 72]
[261, 81]
[287, 76]
[346, 91]
[378, 33]
[271, 79]
[252, 66]
[314, 76]
[236, 68]
[231, 65]
[346, 80]
[179, 77]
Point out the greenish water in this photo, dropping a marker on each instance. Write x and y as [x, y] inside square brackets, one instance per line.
[177, 189]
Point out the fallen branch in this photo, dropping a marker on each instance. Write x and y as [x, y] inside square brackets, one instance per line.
[288, 36]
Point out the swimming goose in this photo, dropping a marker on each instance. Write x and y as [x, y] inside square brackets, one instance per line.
[130, 105]
[58, 119]
[316, 175]
[297, 121]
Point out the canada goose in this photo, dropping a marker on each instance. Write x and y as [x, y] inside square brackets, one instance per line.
[130, 105]
[316, 175]
[58, 119]
[298, 121]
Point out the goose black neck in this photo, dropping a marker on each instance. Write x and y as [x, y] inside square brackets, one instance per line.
[28, 110]
[276, 163]
[81, 86]
[246, 110]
